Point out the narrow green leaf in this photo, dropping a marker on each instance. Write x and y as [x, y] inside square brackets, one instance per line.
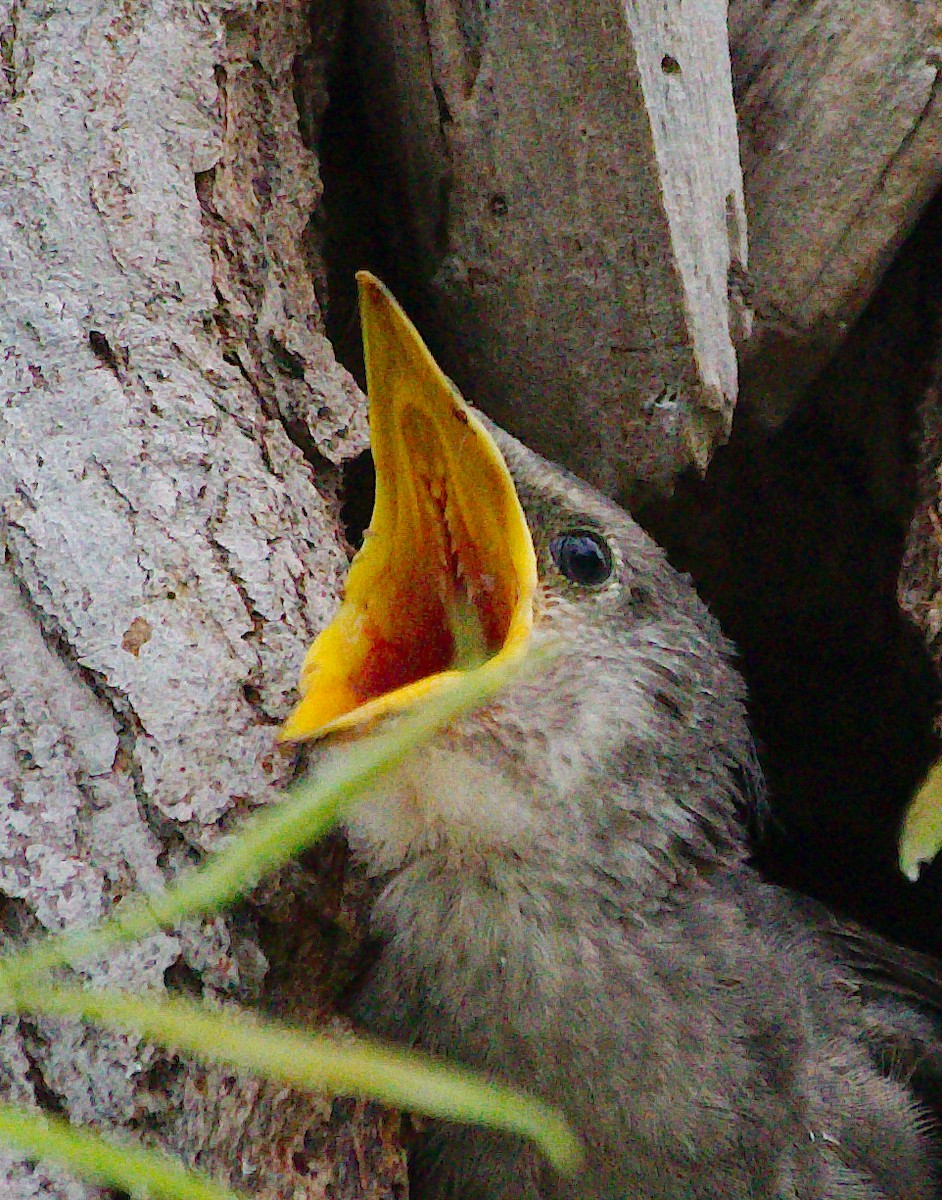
[278, 834]
[346, 1067]
[921, 835]
[99, 1160]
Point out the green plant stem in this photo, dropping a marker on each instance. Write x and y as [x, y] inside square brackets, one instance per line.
[345, 1067]
[100, 1160]
[271, 839]
[340, 1067]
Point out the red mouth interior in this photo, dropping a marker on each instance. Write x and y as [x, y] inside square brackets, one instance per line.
[446, 593]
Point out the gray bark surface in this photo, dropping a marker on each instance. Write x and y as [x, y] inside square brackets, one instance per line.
[169, 551]
[569, 176]
[571, 184]
[840, 122]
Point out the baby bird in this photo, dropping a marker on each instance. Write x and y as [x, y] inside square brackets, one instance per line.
[568, 902]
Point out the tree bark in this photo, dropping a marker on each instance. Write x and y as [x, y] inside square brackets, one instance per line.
[172, 429]
[568, 197]
[920, 578]
[841, 129]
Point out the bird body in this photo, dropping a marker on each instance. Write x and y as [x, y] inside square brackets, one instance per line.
[567, 899]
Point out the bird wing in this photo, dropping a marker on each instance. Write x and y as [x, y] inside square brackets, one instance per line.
[901, 991]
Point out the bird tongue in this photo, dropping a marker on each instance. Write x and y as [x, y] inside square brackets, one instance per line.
[444, 582]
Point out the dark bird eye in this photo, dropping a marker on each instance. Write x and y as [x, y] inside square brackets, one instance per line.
[582, 557]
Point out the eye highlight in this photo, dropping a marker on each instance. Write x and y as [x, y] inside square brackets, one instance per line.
[583, 557]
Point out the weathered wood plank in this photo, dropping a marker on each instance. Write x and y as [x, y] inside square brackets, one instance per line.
[569, 176]
[841, 130]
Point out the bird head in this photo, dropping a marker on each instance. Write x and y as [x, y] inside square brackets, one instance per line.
[625, 754]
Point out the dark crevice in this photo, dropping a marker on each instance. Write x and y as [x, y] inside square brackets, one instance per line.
[295, 428]
[357, 221]
[34, 1045]
[102, 349]
[795, 539]
[18, 923]
[348, 205]
[285, 360]
[181, 979]
[357, 493]
[300, 435]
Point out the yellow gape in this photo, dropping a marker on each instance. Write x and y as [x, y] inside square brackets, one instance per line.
[445, 580]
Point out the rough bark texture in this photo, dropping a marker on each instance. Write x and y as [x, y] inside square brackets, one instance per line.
[920, 580]
[841, 126]
[569, 180]
[168, 548]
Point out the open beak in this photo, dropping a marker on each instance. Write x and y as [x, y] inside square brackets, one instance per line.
[445, 580]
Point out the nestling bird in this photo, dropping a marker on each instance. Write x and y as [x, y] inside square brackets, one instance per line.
[568, 901]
